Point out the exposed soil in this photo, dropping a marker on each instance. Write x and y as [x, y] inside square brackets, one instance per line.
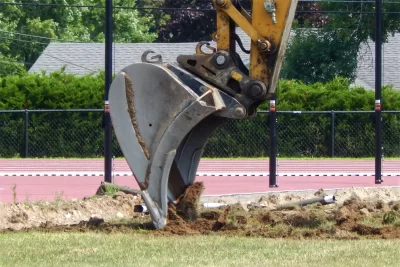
[28, 215]
[357, 213]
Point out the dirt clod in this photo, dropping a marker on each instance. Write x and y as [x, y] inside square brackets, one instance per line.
[320, 193]
[396, 206]
[310, 219]
[210, 215]
[221, 221]
[19, 217]
[343, 215]
[188, 203]
[270, 218]
[240, 219]
[362, 229]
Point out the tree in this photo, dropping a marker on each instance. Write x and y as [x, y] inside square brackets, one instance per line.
[19, 24]
[190, 25]
[319, 55]
[153, 9]
[11, 67]
[359, 18]
[195, 26]
[333, 50]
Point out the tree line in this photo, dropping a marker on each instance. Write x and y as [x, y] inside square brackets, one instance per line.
[333, 39]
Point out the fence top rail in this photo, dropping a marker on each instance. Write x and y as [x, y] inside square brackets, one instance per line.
[329, 112]
[50, 110]
[260, 111]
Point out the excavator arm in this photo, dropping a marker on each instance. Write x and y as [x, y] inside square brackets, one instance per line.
[268, 29]
[163, 113]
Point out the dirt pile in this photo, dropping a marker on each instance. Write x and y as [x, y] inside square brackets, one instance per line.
[352, 217]
[25, 215]
[357, 213]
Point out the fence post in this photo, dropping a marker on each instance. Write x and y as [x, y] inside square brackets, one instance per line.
[332, 134]
[378, 91]
[26, 137]
[272, 146]
[107, 81]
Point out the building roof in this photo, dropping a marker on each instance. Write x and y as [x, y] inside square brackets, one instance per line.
[390, 64]
[84, 58]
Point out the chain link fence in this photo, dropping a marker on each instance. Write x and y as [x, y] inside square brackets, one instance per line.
[79, 134]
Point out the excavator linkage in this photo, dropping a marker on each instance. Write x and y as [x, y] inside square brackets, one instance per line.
[164, 113]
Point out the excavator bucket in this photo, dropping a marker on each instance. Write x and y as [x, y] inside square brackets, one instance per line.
[163, 113]
[162, 125]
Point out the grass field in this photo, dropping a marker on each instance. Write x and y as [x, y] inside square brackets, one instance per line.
[141, 249]
[137, 247]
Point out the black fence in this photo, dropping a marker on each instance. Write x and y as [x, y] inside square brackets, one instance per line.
[79, 133]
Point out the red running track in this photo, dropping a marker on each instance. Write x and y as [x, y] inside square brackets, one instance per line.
[35, 188]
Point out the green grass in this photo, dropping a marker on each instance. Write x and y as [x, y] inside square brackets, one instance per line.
[100, 249]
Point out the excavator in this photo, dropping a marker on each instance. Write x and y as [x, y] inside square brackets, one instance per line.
[163, 113]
